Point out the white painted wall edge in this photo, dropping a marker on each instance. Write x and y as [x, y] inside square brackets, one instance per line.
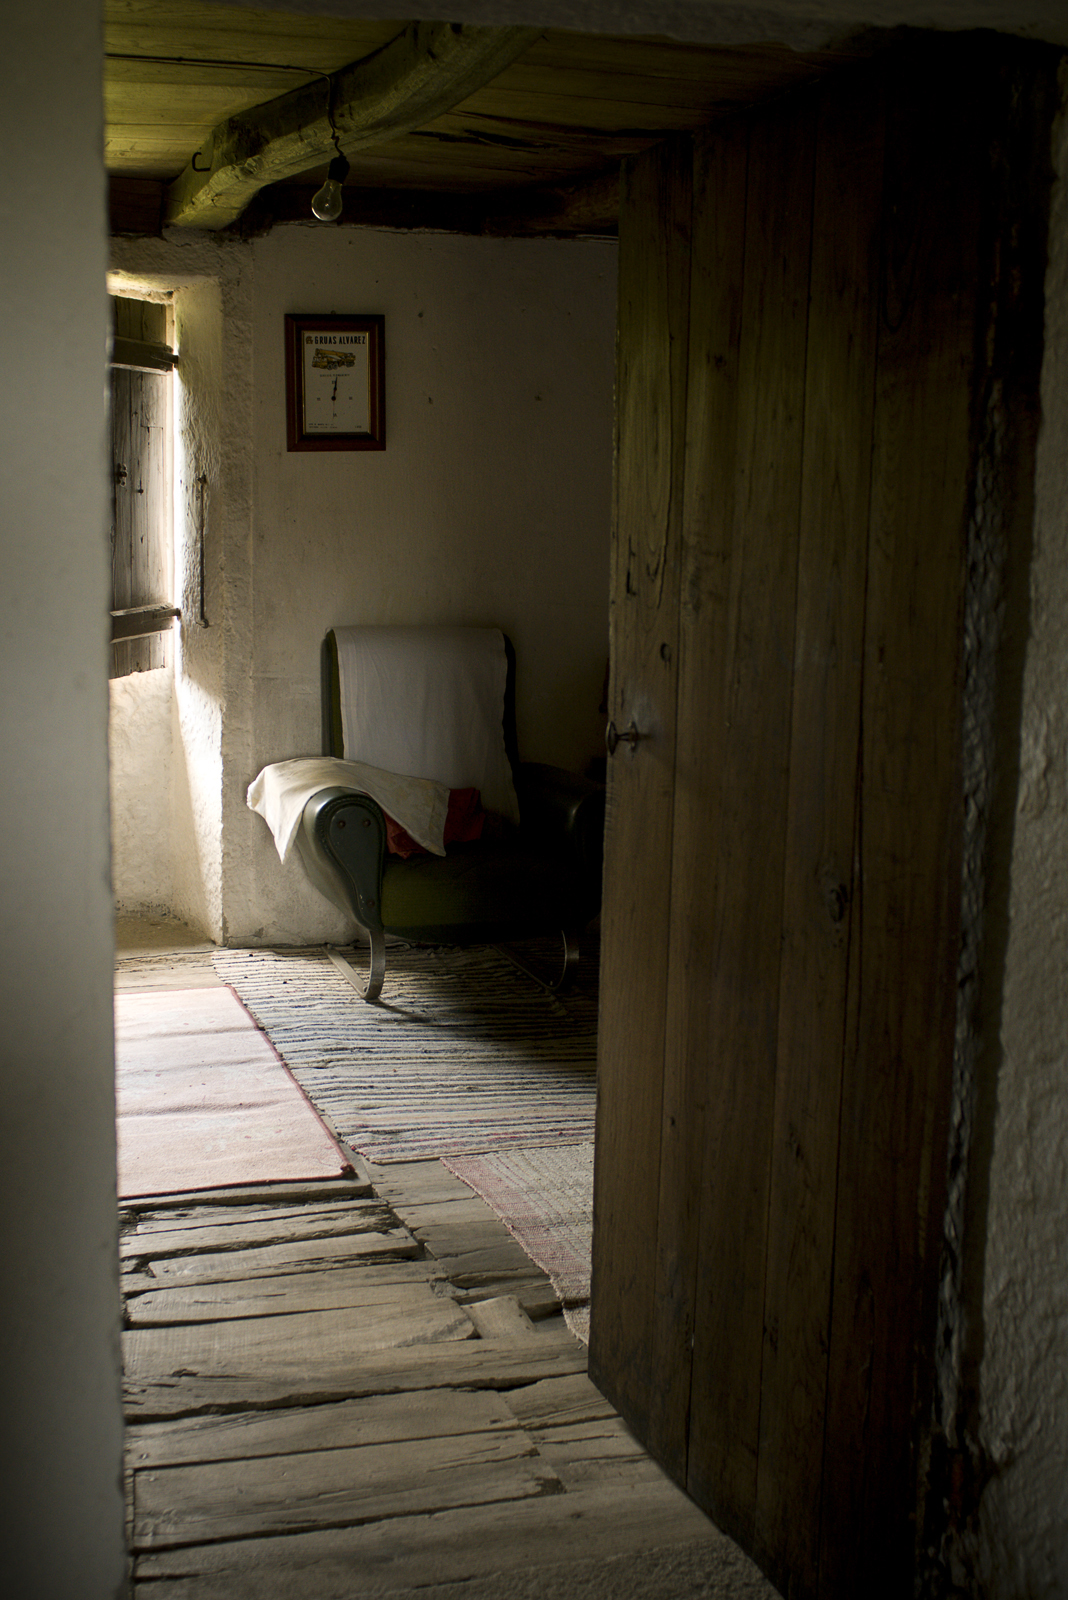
[61, 1515]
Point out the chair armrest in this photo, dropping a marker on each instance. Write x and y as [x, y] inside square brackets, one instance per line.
[342, 842]
[561, 809]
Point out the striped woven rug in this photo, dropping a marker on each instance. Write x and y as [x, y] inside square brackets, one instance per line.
[544, 1197]
[463, 1053]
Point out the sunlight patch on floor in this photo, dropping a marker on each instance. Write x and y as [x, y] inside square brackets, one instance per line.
[135, 934]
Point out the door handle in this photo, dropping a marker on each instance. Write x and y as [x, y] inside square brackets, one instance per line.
[613, 738]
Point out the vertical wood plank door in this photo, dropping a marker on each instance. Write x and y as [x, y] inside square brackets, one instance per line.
[654, 296]
[805, 317]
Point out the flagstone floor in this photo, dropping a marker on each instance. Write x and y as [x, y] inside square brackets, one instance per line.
[363, 1388]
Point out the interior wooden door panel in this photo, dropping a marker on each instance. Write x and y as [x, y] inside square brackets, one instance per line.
[808, 301]
[898, 1062]
[654, 297]
[744, 722]
[720, 171]
[821, 811]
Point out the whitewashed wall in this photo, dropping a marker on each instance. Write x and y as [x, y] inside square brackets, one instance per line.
[491, 503]
[61, 1512]
[141, 769]
[180, 719]
[1021, 1550]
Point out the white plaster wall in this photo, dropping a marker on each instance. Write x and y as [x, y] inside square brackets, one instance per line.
[1023, 1527]
[140, 750]
[490, 504]
[61, 1513]
[210, 280]
[212, 503]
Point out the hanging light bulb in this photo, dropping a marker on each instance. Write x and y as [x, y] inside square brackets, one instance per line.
[326, 202]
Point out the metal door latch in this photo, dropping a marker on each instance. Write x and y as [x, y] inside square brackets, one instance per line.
[613, 738]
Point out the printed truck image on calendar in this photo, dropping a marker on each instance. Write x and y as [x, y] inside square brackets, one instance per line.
[332, 358]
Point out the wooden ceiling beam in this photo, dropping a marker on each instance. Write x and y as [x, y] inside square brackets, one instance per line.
[586, 208]
[427, 70]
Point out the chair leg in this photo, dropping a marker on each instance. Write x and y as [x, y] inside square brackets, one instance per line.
[565, 977]
[571, 961]
[370, 987]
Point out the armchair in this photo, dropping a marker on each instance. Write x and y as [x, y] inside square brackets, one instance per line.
[439, 703]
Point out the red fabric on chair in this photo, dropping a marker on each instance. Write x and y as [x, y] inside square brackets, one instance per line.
[464, 821]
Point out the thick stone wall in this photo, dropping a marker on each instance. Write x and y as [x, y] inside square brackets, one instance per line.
[61, 1512]
[1021, 1539]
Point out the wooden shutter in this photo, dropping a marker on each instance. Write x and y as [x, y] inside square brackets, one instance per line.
[141, 602]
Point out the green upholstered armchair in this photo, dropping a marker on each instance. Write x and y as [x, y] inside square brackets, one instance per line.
[539, 868]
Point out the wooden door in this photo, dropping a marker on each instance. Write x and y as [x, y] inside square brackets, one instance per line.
[814, 302]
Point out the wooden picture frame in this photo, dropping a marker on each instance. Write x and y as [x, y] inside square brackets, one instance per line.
[335, 383]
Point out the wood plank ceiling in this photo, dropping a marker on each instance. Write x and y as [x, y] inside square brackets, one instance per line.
[535, 148]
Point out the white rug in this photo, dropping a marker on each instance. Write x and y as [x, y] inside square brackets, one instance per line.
[203, 1102]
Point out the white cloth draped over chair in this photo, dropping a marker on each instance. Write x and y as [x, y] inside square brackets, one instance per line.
[429, 703]
[282, 790]
[412, 714]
